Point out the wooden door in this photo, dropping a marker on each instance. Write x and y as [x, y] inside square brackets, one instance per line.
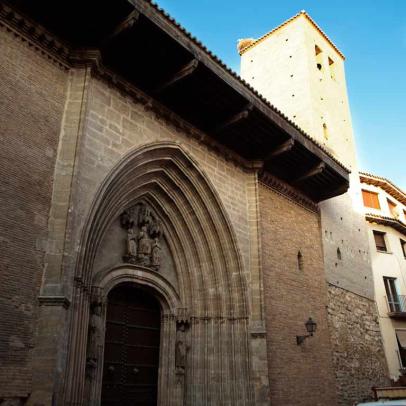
[131, 352]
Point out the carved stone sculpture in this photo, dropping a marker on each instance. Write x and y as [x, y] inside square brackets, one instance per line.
[95, 332]
[181, 348]
[131, 243]
[143, 233]
[144, 246]
[156, 254]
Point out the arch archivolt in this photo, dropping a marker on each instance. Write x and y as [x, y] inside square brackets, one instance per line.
[164, 291]
[211, 293]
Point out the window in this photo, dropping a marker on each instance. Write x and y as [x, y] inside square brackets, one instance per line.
[332, 67]
[392, 294]
[319, 57]
[370, 199]
[401, 339]
[403, 245]
[392, 208]
[380, 241]
[339, 256]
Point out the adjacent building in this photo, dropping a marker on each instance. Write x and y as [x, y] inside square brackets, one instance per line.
[385, 215]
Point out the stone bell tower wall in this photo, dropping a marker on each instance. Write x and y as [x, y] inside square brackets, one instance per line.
[284, 68]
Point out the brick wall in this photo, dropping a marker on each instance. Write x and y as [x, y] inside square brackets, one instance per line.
[299, 375]
[31, 102]
[358, 357]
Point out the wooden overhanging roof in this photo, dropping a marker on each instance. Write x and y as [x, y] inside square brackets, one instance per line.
[387, 221]
[384, 184]
[147, 48]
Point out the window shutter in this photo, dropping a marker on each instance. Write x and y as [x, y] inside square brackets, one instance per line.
[370, 199]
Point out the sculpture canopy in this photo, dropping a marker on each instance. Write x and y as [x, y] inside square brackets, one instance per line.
[141, 44]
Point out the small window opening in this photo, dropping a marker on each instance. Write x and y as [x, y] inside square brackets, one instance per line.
[339, 254]
[326, 133]
[403, 246]
[393, 208]
[319, 57]
[300, 264]
[332, 67]
[380, 242]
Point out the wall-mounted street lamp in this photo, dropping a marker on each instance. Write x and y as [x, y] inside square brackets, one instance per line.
[310, 327]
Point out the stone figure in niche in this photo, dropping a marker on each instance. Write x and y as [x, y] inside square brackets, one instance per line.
[156, 255]
[143, 234]
[95, 336]
[144, 246]
[131, 243]
[181, 348]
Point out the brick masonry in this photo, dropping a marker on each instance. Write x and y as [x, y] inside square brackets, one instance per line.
[31, 102]
[358, 357]
[298, 375]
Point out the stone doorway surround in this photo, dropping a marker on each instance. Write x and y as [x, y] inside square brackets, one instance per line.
[208, 310]
[169, 301]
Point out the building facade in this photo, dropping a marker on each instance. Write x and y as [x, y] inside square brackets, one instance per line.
[385, 214]
[161, 231]
[301, 71]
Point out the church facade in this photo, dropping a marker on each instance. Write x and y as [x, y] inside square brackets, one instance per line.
[161, 224]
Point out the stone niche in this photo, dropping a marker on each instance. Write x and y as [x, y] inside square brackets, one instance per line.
[136, 237]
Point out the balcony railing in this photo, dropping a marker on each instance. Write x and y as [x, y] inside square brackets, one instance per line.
[397, 306]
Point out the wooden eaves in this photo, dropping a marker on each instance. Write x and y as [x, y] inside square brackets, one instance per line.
[142, 44]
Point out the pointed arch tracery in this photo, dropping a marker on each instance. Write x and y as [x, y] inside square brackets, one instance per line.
[198, 231]
[211, 281]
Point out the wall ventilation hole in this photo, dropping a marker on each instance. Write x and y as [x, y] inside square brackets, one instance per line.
[300, 265]
[325, 131]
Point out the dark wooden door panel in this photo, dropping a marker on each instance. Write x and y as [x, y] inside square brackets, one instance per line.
[131, 354]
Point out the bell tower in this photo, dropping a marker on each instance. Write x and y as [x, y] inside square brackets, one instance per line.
[300, 71]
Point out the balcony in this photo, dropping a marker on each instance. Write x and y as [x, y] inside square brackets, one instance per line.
[396, 306]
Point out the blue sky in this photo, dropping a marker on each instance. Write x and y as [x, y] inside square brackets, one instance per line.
[370, 33]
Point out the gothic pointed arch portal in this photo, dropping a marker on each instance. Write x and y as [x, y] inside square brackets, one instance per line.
[196, 274]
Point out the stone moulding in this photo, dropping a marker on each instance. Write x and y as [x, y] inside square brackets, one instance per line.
[35, 35]
[54, 301]
[289, 192]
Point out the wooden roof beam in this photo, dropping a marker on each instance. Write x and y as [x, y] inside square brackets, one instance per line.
[128, 23]
[234, 119]
[181, 74]
[316, 170]
[280, 149]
